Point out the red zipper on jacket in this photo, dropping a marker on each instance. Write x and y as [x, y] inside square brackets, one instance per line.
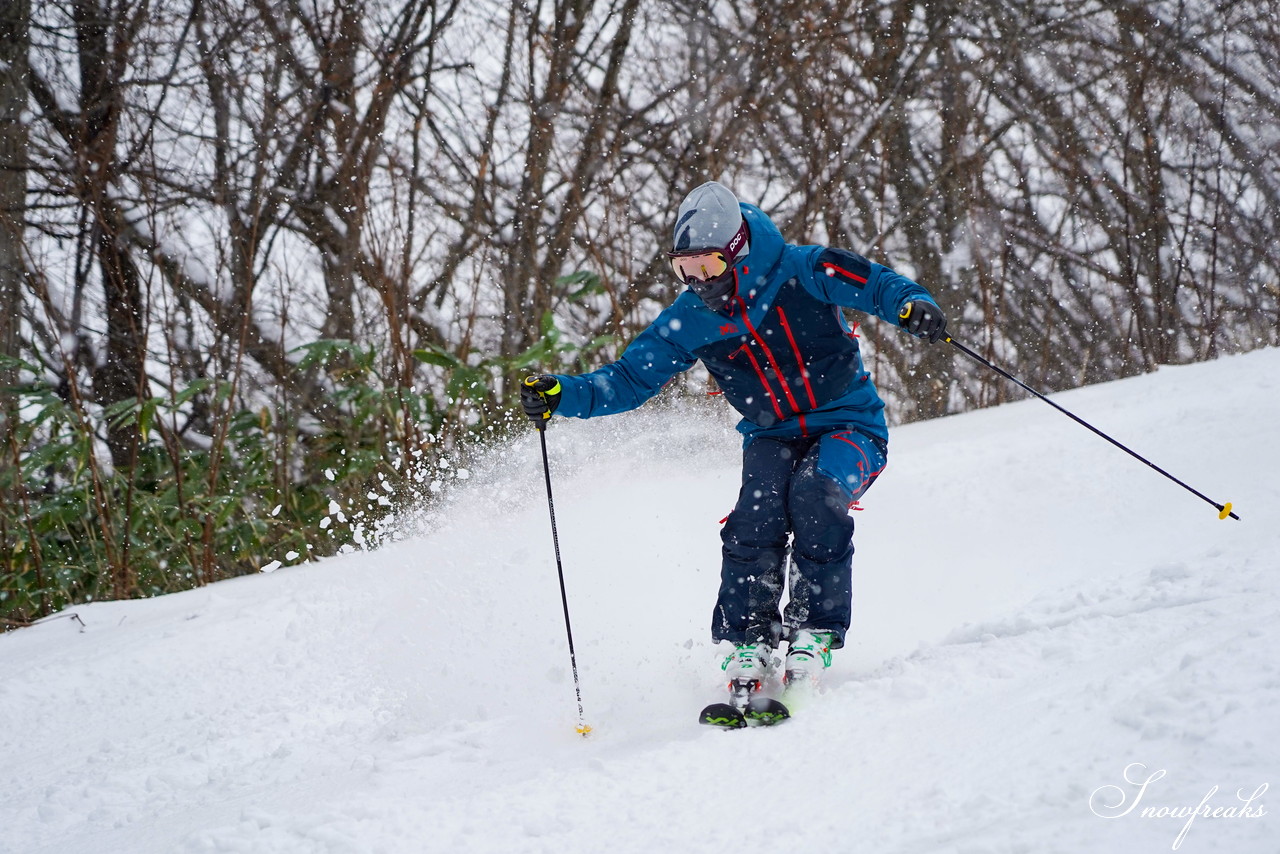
[832, 269]
[782, 380]
[764, 381]
[795, 348]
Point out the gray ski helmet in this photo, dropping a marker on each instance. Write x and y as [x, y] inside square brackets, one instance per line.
[709, 218]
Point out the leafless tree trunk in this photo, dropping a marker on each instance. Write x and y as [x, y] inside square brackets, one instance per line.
[14, 44]
[90, 136]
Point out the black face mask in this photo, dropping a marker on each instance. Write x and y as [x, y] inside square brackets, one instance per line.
[717, 292]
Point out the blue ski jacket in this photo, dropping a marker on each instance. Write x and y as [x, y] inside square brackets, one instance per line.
[781, 351]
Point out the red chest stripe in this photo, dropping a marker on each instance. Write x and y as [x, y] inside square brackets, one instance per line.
[764, 381]
[795, 348]
[768, 354]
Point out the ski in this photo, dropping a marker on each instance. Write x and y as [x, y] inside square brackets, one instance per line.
[766, 711]
[723, 715]
[747, 707]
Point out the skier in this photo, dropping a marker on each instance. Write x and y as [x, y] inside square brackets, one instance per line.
[764, 317]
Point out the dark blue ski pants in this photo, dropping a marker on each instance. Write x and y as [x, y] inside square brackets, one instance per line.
[795, 497]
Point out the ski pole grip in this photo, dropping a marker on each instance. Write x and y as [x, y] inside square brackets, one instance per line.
[534, 383]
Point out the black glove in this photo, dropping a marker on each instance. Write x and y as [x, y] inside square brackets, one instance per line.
[923, 320]
[539, 397]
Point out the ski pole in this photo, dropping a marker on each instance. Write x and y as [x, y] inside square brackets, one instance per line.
[582, 728]
[1224, 510]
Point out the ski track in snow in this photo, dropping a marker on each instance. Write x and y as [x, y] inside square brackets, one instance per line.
[1034, 612]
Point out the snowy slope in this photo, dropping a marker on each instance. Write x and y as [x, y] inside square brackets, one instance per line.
[1035, 613]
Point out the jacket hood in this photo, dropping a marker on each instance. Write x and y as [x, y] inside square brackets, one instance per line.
[765, 244]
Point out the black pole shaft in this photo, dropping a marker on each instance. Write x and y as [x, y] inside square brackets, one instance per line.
[1002, 372]
[564, 597]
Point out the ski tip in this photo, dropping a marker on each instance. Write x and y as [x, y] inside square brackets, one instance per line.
[765, 711]
[722, 715]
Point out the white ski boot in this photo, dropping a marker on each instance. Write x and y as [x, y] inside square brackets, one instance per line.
[747, 666]
[807, 656]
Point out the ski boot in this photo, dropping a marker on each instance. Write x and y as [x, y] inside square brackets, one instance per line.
[748, 667]
[807, 656]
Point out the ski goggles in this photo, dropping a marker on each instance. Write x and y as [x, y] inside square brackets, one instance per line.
[706, 265]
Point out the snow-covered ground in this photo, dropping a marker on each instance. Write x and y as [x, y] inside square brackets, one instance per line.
[1037, 617]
